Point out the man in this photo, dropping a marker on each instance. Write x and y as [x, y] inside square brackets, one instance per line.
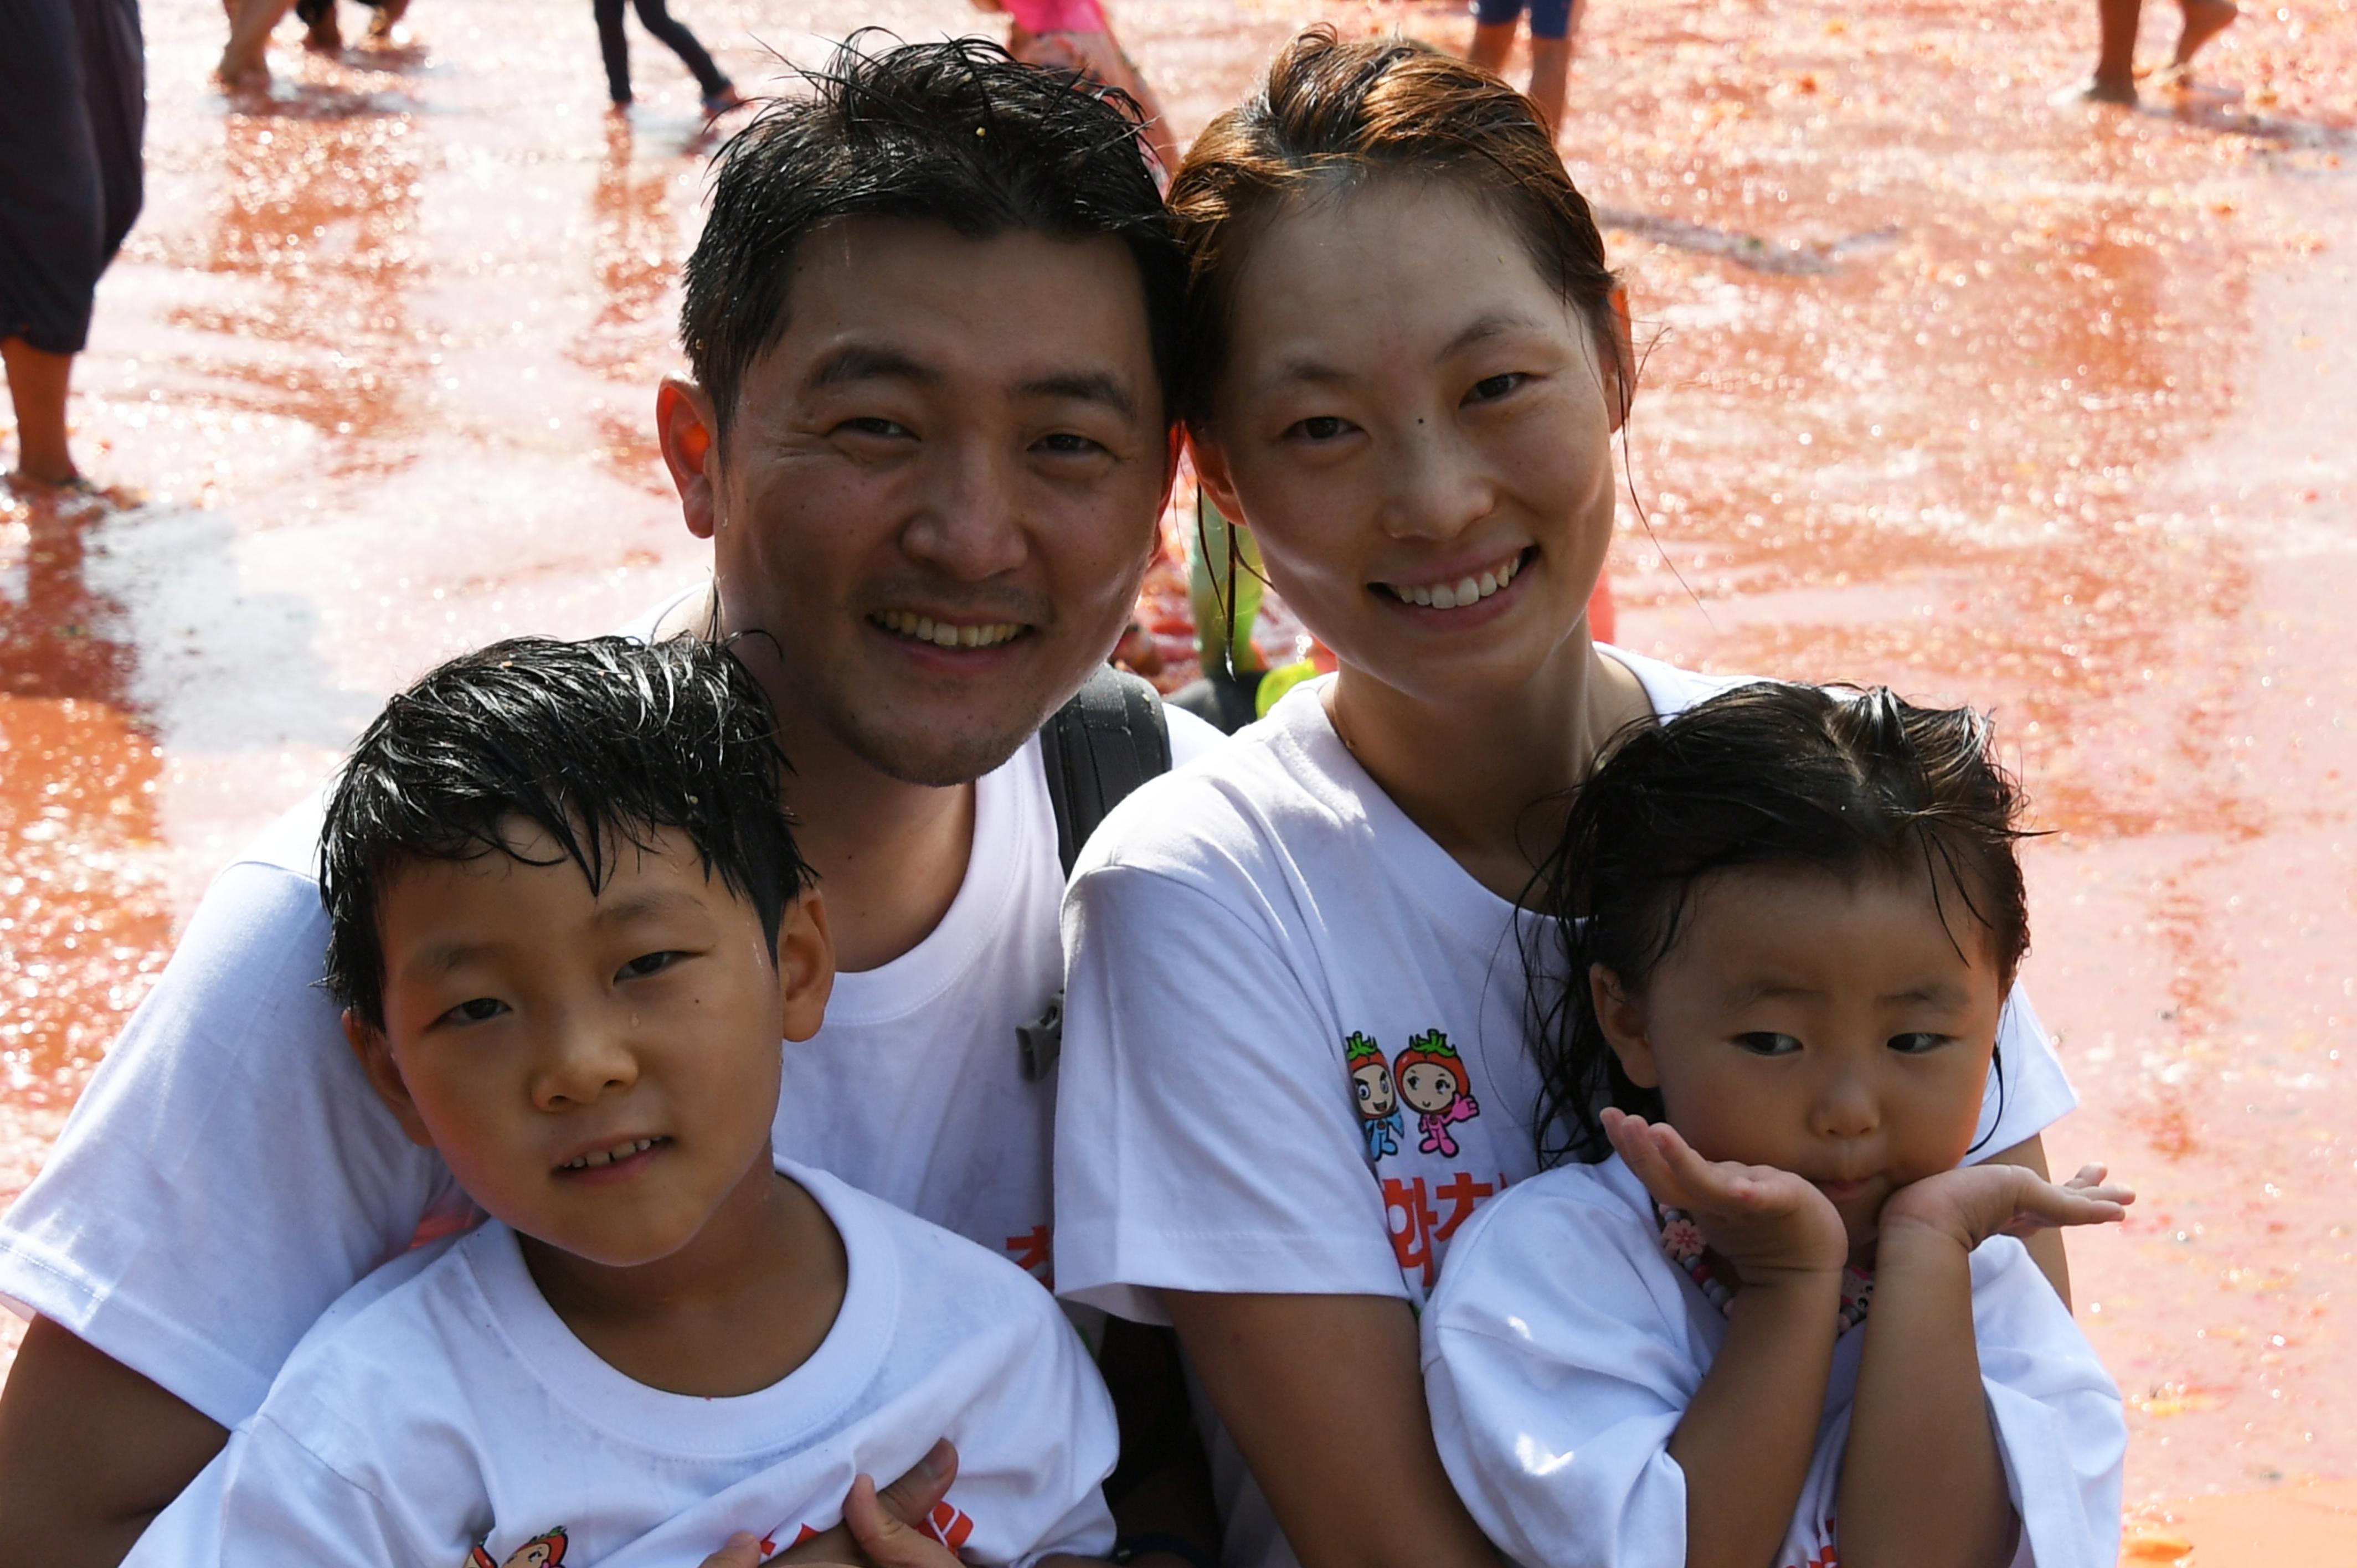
[930, 321]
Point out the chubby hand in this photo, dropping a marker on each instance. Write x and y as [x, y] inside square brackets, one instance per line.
[1768, 1223]
[879, 1528]
[1973, 1203]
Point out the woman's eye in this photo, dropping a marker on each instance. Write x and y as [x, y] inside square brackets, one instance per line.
[647, 963]
[477, 1010]
[1915, 1045]
[1318, 427]
[1491, 388]
[1762, 1043]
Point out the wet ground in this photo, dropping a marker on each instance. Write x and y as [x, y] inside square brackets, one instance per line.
[2050, 408]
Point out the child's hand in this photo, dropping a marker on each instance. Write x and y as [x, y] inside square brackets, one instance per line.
[1768, 1223]
[1973, 1203]
[876, 1531]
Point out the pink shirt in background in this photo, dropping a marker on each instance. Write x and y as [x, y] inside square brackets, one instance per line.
[1058, 15]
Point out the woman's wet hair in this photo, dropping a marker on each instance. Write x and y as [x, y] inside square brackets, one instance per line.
[601, 744]
[1333, 116]
[1805, 777]
[958, 132]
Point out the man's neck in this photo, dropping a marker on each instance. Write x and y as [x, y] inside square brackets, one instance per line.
[890, 856]
[738, 1309]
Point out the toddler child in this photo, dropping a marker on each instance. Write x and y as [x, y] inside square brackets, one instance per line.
[568, 926]
[1765, 1317]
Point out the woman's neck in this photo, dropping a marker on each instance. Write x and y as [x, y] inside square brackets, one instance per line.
[738, 1308]
[1482, 776]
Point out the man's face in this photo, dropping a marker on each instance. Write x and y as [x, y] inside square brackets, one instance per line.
[940, 489]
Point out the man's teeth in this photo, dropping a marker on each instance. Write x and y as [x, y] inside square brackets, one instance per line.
[606, 1157]
[941, 634]
[1464, 591]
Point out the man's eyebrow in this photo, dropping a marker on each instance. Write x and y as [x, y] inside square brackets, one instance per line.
[1087, 386]
[859, 363]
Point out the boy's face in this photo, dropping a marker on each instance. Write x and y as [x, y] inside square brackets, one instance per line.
[600, 1071]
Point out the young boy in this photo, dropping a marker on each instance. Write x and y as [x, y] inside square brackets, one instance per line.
[569, 925]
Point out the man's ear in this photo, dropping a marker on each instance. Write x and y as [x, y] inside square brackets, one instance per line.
[1620, 378]
[1623, 1020]
[805, 966]
[689, 434]
[384, 1076]
[1211, 473]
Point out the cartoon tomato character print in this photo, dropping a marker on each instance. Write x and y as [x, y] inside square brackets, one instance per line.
[543, 1550]
[1379, 1112]
[1431, 1078]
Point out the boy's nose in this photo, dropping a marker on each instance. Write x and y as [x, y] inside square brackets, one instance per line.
[581, 1064]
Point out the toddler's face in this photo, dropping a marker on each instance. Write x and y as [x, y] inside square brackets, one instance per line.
[1825, 1028]
[600, 1070]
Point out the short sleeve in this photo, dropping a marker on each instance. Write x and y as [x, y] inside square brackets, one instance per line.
[2058, 1416]
[1204, 1137]
[1034, 1452]
[2027, 1091]
[229, 1172]
[1556, 1374]
[266, 1501]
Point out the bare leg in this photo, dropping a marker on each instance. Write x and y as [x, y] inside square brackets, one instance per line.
[1491, 44]
[2204, 20]
[2115, 78]
[326, 35]
[36, 384]
[246, 62]
[1550, 69]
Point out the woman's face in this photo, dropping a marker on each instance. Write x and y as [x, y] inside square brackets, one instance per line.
[1418, 429]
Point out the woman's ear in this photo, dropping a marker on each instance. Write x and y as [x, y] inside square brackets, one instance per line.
[1211, 473]
[1622, 365]
[1622, 1018]
[805, 966]
[375, 1053]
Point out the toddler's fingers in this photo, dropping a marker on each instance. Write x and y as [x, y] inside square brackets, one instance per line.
[2089, 1175]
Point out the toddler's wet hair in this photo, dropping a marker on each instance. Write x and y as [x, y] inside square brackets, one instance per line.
[1835, 780]
[602, 743]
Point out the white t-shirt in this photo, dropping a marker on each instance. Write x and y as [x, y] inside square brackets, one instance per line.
[442, 1408]
[229, 1172]
[1564, 1347]
[1241, 938]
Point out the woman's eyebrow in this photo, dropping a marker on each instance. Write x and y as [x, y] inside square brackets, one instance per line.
[1482, 328]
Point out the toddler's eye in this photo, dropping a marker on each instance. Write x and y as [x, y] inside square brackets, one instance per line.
[1762, 1043]
[1915, 1045]
[646, 964]
[474, 1011]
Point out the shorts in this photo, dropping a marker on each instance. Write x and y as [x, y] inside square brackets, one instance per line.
[1549, 18]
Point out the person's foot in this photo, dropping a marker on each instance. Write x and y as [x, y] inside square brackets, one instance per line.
[326, 35]
[242, 76]
[621, 108]
[2204, 20]
[2096, 90]
[389, 13]
[716, 104]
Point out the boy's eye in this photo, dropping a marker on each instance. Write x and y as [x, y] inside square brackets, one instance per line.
[646, 964]
[475, 1011]
[1917, 1044]
[1762, 1043]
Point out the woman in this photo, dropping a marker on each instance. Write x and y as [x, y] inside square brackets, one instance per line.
[1294, 1059]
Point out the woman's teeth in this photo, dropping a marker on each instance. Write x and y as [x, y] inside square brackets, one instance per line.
[1464, 591]
[941, 634]
[606, 1157]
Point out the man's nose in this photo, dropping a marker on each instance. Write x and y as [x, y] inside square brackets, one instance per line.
[969, 523]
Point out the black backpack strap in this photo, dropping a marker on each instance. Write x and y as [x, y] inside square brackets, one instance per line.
[1109, 739]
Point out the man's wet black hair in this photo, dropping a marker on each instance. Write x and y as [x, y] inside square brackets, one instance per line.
[601, 742]
[1842, 781]
[959, 132]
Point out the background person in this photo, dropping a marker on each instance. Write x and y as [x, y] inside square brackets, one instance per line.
[1553, 23]
[720, 95]
[1404, 371]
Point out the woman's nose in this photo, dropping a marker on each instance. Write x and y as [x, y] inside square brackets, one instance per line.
[1438, 486]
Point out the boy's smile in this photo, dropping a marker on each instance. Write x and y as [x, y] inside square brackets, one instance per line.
[599, 1069]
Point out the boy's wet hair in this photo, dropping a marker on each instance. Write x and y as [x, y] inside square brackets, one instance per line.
[1336, 114]
[601, 744]
[958, 132]
[1846, 782]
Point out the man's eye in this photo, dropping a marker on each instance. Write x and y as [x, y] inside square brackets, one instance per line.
[1916, 1045]
[1491, 388]
[871, 424]
[1318, 427]
[645, 964]
[477, 1010]
[1762, 1043]
[1067, 444]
